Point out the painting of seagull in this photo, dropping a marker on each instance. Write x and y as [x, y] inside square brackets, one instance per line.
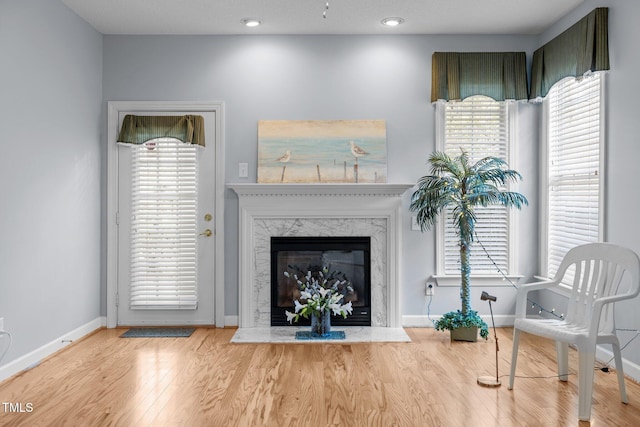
[357, 151]
[322, 151]
[285, 157]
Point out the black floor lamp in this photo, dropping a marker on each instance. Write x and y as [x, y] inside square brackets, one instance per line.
[486, 380]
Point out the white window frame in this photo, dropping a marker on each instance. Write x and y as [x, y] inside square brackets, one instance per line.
[544, 181]
[480, 279]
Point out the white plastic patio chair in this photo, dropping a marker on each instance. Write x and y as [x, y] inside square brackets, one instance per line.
[603, 274]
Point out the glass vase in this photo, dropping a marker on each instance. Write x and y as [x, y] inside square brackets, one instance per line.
[321, 323]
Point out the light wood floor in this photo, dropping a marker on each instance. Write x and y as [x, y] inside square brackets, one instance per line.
[206, 381]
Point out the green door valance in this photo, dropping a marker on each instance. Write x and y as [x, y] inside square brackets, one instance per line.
[582, 48]
[140, 129]
[459, 75]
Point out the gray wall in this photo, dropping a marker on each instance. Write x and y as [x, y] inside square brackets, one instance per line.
[55, 67]
[50, 116]
[623, 149]
[322, 77]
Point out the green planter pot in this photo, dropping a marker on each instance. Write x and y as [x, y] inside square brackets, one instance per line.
[469, 334]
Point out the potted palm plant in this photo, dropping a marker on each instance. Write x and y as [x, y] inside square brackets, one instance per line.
[455, 183]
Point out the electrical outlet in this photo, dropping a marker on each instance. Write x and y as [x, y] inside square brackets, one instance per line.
[429, 289]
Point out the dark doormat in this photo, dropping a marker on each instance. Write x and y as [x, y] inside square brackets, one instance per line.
[158, 333]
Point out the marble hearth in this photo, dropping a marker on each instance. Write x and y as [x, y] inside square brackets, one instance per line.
[267, 210]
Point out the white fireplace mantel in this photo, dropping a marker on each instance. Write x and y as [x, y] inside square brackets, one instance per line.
[326, 190]
[267, 210]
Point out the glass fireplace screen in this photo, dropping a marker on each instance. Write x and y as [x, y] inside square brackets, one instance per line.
[346, 258]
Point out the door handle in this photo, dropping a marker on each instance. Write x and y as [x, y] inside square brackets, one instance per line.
[206, 233]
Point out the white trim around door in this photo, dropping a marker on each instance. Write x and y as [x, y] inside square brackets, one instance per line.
[113, 108]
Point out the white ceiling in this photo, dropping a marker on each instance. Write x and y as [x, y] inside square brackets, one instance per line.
[306, 16]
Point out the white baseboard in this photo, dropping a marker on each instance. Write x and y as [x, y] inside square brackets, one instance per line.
[630, 369]
[33, 358]
[230, 321]
[418, 321]
[422, 321]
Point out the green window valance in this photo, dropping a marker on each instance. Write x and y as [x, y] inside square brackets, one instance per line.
[459, 75]
[582, 48]
[140, 129]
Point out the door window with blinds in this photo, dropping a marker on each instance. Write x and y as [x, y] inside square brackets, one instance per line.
[574, 159]
[481, 127]
[164, 191]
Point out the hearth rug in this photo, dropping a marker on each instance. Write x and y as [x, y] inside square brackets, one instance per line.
[158, 333]
[287, 335]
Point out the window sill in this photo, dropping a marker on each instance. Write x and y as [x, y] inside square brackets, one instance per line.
[478, 280]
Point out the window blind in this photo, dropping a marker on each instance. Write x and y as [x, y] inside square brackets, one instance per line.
[480, 126]
[574, 166]
[163, 225]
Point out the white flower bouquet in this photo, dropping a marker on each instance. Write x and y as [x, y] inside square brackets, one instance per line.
[319, 294]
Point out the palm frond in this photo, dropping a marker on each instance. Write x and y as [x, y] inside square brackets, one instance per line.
[504, 198]
[489, 162]
[511, 198]
[442, 163]
[499, 176]
[432, 195]
[463, 159]
[475, 185]
[485, 199]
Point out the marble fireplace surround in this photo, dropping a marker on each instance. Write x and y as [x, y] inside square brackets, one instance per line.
[267, 210]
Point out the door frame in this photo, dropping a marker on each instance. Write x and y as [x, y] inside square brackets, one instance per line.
[113, 110]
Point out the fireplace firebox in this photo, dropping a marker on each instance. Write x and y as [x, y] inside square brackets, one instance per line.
[347, 258]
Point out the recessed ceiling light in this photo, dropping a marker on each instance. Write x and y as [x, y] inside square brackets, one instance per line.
[251, 22]
[392, 22]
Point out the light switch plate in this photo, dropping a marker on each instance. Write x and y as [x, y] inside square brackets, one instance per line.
[243, 170]
[1, 323]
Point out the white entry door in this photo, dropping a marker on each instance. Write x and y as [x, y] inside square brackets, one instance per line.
[166, 234]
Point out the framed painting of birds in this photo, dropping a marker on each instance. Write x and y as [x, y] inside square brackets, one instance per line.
[322, 151]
